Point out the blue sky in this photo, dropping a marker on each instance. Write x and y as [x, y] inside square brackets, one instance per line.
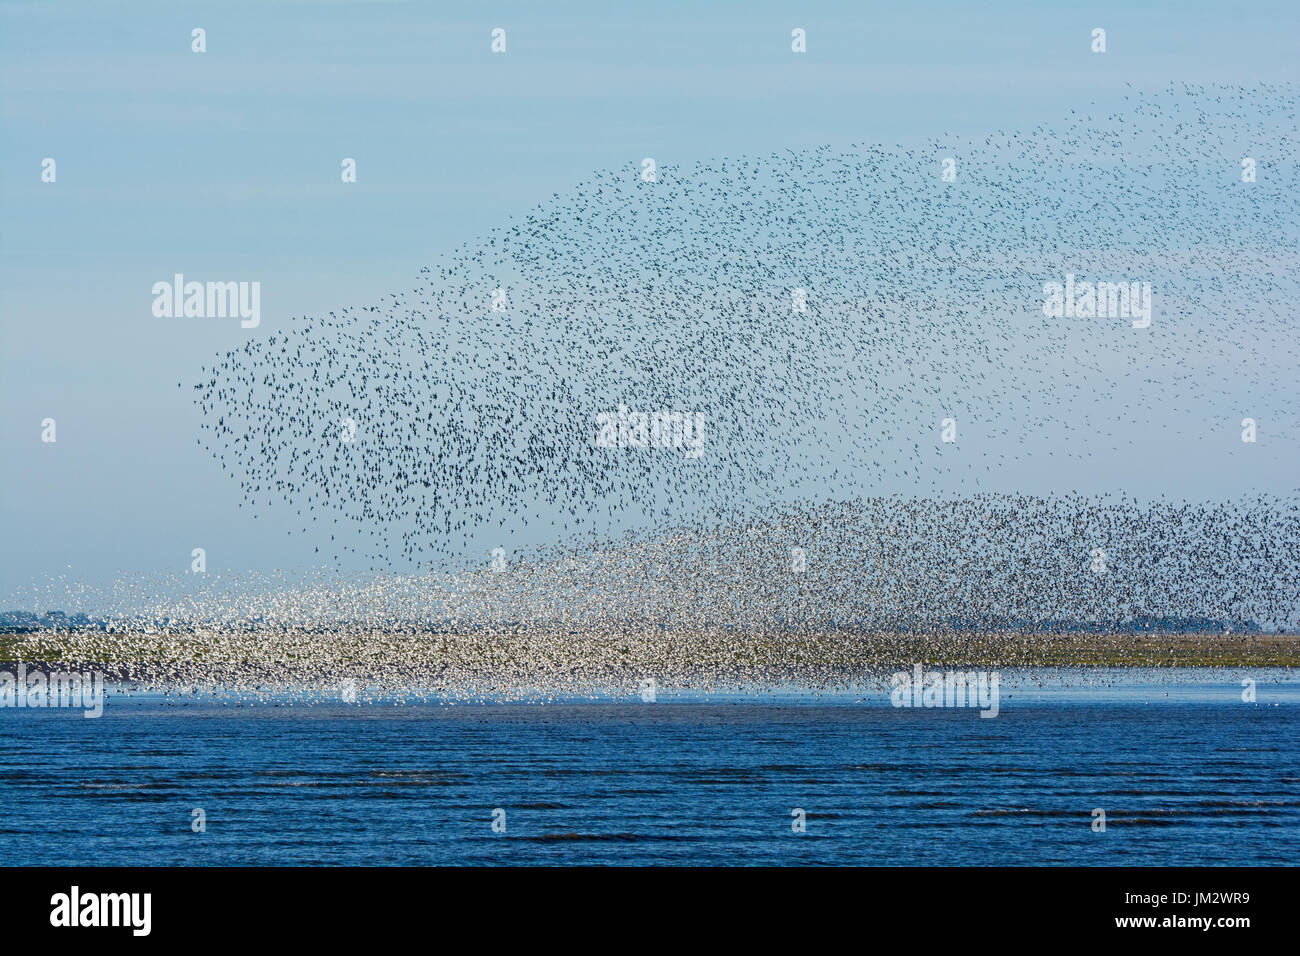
[227, 164]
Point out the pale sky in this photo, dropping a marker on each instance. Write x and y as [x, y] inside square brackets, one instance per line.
[227, 164]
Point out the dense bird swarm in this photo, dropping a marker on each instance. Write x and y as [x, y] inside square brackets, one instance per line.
[822, 312]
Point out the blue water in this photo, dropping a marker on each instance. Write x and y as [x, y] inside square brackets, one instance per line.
[1198, 777]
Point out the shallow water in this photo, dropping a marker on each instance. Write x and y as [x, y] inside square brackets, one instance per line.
[1194, 777]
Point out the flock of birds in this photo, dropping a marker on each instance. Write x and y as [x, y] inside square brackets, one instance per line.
[866, 344]
[822, 596]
